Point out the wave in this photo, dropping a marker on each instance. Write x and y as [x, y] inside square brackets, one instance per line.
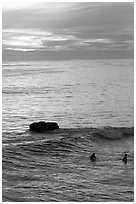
[106, 132]
[64, 141]
[115, 132]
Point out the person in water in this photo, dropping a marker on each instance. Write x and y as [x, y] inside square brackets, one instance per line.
[93, 157]
[125, 159]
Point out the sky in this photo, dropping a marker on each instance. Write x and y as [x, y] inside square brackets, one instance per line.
[67, 30]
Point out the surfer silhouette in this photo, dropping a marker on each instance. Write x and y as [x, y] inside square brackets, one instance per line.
[125, 159]
[93, 157]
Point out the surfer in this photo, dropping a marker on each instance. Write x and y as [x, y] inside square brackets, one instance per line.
[125, 159]
[93, 157]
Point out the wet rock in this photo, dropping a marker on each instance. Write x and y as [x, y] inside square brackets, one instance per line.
[43, 126]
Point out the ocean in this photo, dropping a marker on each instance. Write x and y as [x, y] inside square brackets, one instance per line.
[83, 97]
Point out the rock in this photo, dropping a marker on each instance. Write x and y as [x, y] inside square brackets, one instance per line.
[43, 126]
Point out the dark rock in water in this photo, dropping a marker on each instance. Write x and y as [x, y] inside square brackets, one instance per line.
[43, 126]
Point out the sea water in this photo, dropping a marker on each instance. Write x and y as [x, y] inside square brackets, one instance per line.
[79, 95]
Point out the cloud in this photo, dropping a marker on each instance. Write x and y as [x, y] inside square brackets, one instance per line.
[20, 49]
[69, 26]
[39, 40]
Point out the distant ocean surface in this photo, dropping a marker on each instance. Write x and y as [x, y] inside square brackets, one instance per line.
[79, 95]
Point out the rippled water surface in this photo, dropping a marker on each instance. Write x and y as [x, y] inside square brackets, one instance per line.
[73, 93]
[78, 95]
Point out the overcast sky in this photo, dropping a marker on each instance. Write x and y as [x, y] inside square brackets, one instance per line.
[55, 31]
